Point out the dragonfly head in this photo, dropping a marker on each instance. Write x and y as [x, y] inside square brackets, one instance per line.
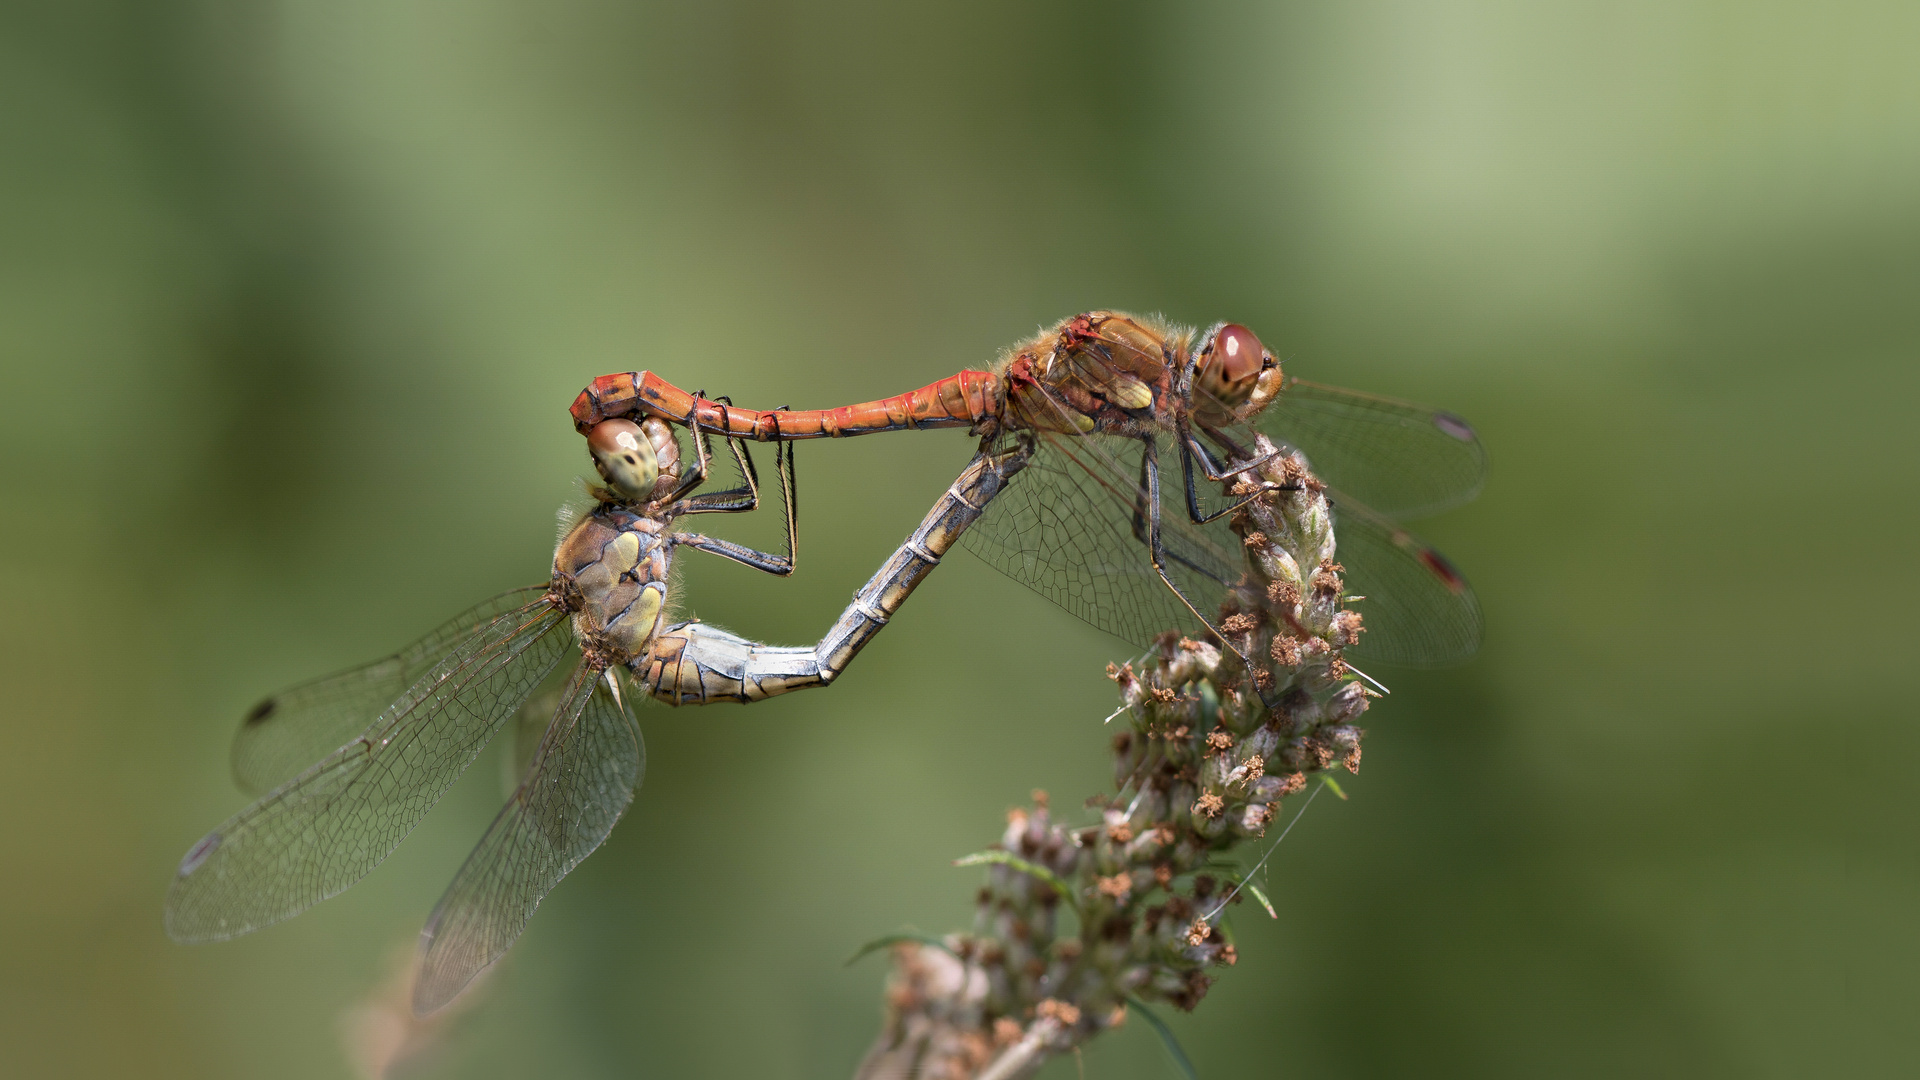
[1235, 370]
[634, 458]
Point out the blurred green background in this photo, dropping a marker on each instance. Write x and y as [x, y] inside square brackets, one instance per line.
[293, 299]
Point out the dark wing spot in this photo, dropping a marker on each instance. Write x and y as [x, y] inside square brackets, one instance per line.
[262, 711]
[1454, 426]
[198, 854]
[1442, 569]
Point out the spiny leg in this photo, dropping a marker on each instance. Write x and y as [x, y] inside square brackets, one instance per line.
[1192, 448]
[729, 502]
[779, 565]
[1146, 512]
[697, 475]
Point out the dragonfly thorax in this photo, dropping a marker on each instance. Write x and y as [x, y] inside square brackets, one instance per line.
[611, 572]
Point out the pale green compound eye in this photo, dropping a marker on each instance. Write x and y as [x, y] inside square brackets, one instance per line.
[625, 458]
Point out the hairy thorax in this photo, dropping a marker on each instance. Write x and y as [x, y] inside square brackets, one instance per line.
[611, 572]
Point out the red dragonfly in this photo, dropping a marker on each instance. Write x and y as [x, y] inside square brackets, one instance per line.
[1104, 394]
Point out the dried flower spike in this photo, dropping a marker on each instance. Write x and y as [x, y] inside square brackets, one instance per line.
[1204, 767]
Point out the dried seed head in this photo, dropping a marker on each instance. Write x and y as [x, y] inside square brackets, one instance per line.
[975, 1049]
[1197, 737]
[1285, 651]
[1066, 1013]
[1347, 702]
[1251, 770]
[1239, 624]
[1254, 818]
[1326, 580]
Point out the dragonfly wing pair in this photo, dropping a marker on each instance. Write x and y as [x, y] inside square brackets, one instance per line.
[580, 781]
[332, 823]
[1402, 460]
[286, 733]
[1073, 526]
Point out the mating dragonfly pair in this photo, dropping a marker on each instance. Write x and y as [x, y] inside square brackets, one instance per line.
[1072, 426]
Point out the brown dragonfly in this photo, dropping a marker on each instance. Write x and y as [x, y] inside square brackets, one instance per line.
[1105, 395]
[352, 762]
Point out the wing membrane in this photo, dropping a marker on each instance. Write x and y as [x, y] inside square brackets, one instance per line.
[1401, 459]
[1418, 611]
[581, 781]
[296, 727]
[1066, 527]
[324, 830]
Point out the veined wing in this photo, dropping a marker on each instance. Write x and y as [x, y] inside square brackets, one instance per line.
[1071, 526]
[1418, 611]
[296, 727]
[580, 782]
[1404, 460]
[325, 829]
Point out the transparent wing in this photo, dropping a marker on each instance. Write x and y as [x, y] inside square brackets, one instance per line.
[1403, 460]
[581, 781]
[1067, 527]
[1418, 610]
[294, 728]
[527, 728]
[324, 830]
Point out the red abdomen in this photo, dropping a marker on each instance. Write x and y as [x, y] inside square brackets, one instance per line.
[961, 400]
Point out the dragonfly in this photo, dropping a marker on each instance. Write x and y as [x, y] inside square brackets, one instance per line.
[352, 762]
[1105, 394]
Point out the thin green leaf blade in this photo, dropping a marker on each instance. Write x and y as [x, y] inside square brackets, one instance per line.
[887, 940]
[1015, 862]
[1166, 1037]
[1262, 897]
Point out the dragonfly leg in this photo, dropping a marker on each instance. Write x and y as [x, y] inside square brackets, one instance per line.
[1194, 513]
[696, 663]
[727, 503]
[694, 477]
[780, 565]
[1146, 527]
[1192, 449]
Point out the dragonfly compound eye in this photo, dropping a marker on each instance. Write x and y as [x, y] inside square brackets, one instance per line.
[1238, 353]
[625, 457]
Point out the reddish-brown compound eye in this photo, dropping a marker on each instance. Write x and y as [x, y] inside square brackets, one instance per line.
[625, 458]
[1238, 353]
